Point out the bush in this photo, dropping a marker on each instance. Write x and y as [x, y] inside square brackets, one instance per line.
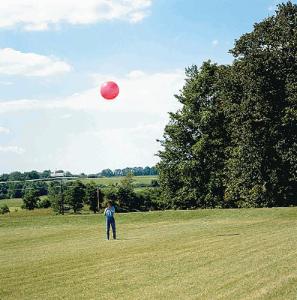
[4, 209]
[44, 203]
[150, 199]
[30, 199]
[155, 183]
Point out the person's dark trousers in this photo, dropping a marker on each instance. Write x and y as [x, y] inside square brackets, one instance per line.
[110, 222]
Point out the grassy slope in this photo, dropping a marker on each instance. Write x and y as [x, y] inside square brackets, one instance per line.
[111, 180]
[205, 254]
[12, 203]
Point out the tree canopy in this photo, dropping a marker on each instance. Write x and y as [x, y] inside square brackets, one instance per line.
[234, 141]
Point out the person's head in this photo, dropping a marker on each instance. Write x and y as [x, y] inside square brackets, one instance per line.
[109, 204]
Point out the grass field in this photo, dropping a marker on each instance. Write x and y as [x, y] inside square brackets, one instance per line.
[203, 254]
[112, 180]
[14, 203]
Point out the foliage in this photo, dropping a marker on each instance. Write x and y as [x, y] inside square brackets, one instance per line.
[75, 195]
[3, 190]
[234, 141]
[136, 171]
[92, 195]
[261, 168]
[56, 197]
[4, 209]
[155, 183]
[194, 143]
[150, 199]
[30, 199]
[44, 203]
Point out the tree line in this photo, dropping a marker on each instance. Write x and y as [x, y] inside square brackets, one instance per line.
[72, 196]
[11, 189]
[136, 171]
[33, 175]
[234, 141]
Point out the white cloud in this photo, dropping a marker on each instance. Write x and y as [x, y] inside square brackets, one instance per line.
[99, 133]
[139, 92]
[13, 62]
[215, 43]
[43, 14]
[4, 130]
[12, 149]
[113, 148]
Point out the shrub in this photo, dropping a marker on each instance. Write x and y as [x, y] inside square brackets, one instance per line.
[44, 203]
[4, 209]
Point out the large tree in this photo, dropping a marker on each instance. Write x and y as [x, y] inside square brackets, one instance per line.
[30, 199]
[75, 195]
[191, 167]
[234, 140]
[56, 196]
[262, 166]
[93, 195]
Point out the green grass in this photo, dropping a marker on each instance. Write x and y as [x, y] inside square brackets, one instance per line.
[203, 254]
[112, 180]
[14, 203]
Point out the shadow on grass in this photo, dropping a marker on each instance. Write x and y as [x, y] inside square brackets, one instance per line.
[228, 234]
[125, 239]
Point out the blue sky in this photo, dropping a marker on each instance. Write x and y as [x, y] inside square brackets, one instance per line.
[54, 56]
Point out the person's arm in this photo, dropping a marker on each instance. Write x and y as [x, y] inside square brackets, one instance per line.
[105, 211]
[113, 209]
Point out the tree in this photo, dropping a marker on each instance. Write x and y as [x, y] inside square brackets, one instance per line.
[107, 173]
[15, 189]
[56, 197]
[234, 141]
[31, 175]
[3, 190]
[44, 203]
[262, 164]
[68, 174]
[155, 183]
[45, 174]
[118, 172]
[191, 166]
[16, 176]
[111, 193]
[92, 195]
[41, 187]
[4, 177]
[149, 199]
[147, 171]
[153, 171]
[125, 193]
[30, 199]
[75, 195]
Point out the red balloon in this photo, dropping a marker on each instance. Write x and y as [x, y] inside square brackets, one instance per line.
[109, 90]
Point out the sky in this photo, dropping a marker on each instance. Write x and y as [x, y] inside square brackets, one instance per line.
[55, 54]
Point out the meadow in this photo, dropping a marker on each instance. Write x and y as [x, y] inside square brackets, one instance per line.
[201, 254]
[139, 183]
[112, 180]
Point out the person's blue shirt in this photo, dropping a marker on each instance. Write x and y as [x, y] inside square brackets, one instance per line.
[109, 212]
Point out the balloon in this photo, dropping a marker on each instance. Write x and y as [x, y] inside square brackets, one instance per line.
[109, 90]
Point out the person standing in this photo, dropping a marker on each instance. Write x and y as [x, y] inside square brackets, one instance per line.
[110, 221]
